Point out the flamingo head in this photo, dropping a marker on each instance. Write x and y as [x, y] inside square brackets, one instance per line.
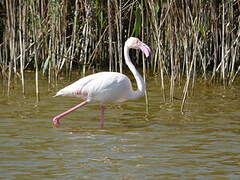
[135, 43]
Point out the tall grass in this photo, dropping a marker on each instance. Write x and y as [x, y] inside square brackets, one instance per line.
[189, 39]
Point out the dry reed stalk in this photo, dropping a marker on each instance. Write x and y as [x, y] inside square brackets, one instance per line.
[110, 38]
[22, 63]
[35, 29]
[172, 64]
[11, 34]
[86, 35]
[96, 49]
[22, 13]
[223, 44]
[234, 60]
[115, 56]
[186, 86]
[130, 18]
[120, 37]
[144, 64]
[118, 19]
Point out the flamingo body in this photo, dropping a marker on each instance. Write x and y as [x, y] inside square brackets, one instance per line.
[102, 87]
[106, 87]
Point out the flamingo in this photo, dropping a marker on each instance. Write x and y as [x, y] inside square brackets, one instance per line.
[106, 87]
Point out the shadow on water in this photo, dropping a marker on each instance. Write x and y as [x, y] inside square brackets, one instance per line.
[201, 143]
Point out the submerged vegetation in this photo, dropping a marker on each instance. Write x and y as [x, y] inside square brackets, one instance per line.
[189, 39]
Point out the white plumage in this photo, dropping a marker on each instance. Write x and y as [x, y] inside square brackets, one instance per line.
[106, 87]
[102, 87]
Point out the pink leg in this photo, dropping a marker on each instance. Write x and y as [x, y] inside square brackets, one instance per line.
[56, 119]
[102, 109]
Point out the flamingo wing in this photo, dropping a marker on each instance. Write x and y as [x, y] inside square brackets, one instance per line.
[104, 87]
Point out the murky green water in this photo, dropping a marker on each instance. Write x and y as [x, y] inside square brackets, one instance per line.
[203, 143]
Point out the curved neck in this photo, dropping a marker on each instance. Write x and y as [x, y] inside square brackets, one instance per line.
[140, 82]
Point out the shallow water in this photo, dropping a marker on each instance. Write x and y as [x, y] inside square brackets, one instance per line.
[203, 143]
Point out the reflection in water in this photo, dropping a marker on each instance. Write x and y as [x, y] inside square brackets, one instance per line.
[202, 143]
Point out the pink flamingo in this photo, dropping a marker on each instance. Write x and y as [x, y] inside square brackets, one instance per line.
[106, 87]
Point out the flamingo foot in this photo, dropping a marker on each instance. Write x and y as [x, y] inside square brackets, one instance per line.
[56, 122]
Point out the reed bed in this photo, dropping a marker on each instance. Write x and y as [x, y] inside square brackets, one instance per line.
[190, 40]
